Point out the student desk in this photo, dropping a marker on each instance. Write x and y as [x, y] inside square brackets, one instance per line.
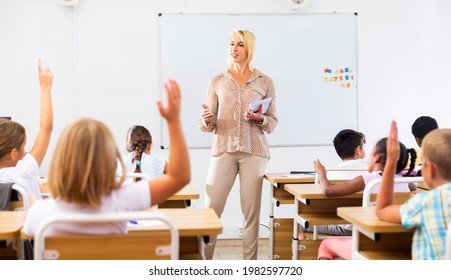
[280, 229]
[10, 225]
[312, 208]
[182, 198]
[195, 225]
[376, 239]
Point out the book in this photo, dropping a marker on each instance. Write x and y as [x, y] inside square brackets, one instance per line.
[254, 106]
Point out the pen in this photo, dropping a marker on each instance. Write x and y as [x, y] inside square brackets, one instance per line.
[133, 222]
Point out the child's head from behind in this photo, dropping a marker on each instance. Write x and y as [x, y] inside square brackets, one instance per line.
[422, 126]
[378, 157]
[84, 163]
[138, 141]
[437, 151]
[12, 141]
[349, 143]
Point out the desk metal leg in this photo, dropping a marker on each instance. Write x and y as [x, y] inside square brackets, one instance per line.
[295, 244]
[271, 222]
[315, 233]
[202, 241]
[20, 248]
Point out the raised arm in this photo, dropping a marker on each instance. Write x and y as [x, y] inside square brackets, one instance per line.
[42, 140]
[348, 187]
[385, 209]
[178, 168]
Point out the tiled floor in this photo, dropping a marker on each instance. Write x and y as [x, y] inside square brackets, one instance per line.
[232, 249]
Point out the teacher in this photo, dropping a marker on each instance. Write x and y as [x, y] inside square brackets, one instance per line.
[239, 144]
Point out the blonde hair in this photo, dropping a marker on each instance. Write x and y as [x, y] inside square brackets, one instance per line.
[12, 136]
[249, 41]
[436, 148]
[84, 164]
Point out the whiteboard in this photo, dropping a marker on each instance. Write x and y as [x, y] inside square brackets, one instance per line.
[312, 59]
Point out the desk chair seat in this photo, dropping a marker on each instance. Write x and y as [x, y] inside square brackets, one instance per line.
[157, 243]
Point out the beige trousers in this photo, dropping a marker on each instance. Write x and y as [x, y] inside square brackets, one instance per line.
[221, 177]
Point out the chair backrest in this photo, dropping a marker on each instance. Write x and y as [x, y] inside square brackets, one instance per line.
[158, 243]
[14, 199]
[339, 169]
[22, 204]
[400, 197]
[448, 243]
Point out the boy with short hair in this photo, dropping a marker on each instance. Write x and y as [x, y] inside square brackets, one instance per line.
[428, 212]
[348, 144]
[420, 127]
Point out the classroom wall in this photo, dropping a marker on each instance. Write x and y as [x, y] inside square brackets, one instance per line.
[105, 57]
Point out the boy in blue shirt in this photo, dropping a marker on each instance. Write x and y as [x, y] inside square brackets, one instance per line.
[428, 212]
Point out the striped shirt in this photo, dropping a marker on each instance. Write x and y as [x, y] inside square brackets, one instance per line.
[228, 103]
[429, 213]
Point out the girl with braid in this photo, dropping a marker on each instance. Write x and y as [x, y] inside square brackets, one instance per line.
[140, 159]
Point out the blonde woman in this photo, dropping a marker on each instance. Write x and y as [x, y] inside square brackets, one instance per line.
[239, 145]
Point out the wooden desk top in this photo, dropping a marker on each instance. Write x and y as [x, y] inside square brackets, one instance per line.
[191, 221]
[366, 219]
[287, 178]
[11, 223]
[312, 191]
[187, 193]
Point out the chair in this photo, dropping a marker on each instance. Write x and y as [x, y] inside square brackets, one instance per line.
[448, 243]
[24, 200]
[158, 243]
[399, 197]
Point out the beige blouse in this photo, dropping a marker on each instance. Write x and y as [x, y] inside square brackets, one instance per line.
[228, 103]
